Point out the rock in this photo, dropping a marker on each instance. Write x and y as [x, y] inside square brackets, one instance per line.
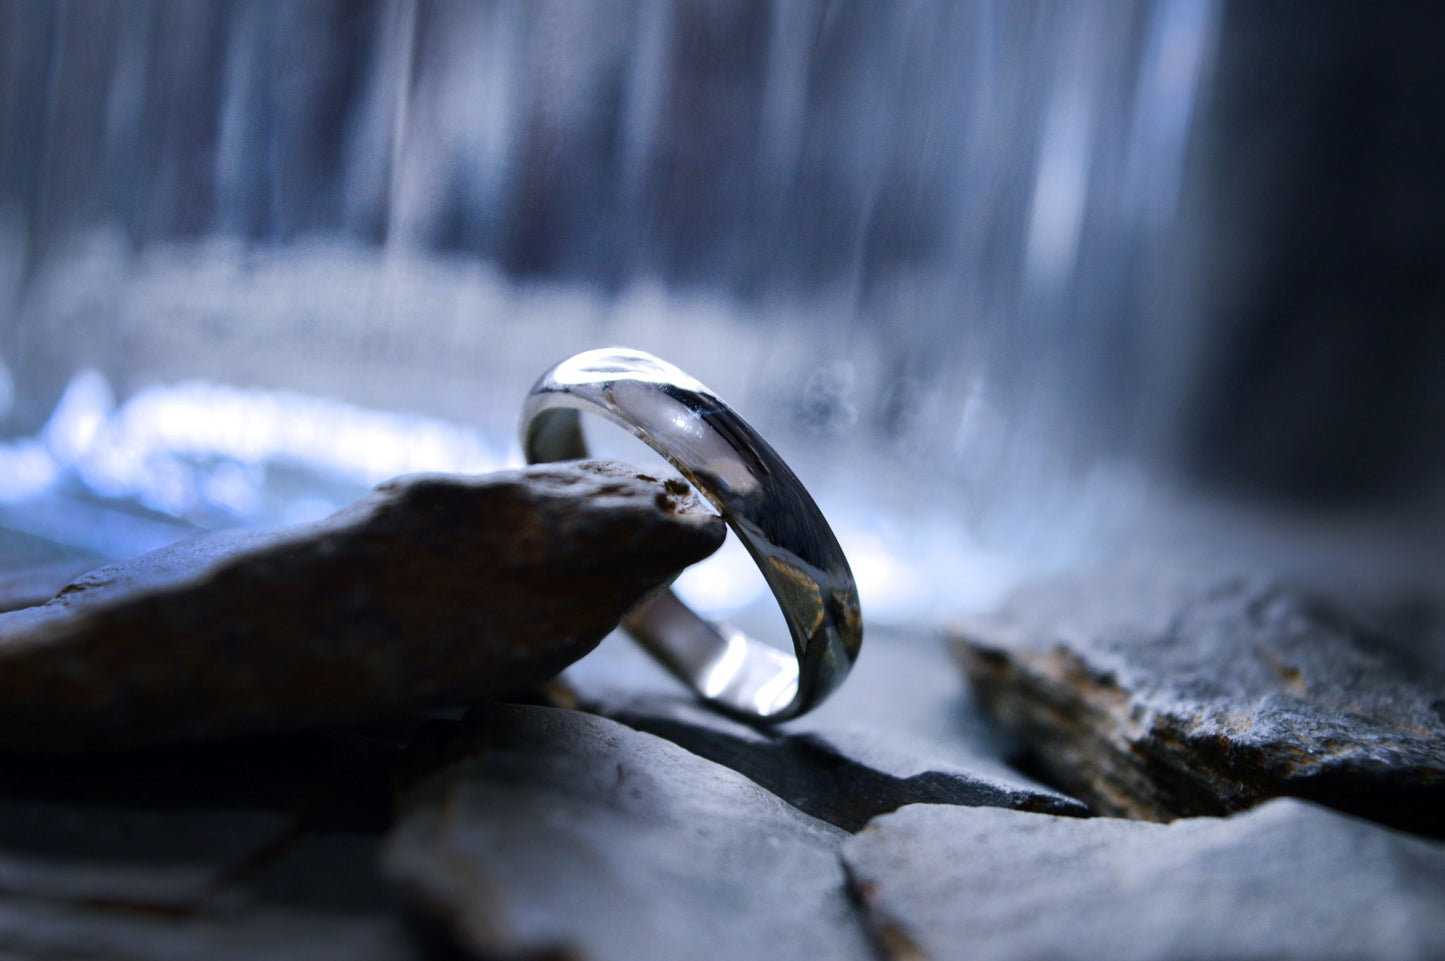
[844, 778]
[262, 848]
[431, 590]
[42, 931]
[899, 731]
[35, 586]
[1287, 880]
[1159, 698]
[559, 834]
[33, 567]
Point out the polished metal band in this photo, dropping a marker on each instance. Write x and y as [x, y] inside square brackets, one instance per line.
[761, 500]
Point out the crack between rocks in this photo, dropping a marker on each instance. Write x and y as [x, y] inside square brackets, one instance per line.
[822, 783]
[888, 940]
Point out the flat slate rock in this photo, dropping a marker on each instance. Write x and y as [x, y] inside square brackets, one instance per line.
[431, 590]
[37, 585]
[1286, 880]
[554, 833]
[1159, 697]
[899, 731]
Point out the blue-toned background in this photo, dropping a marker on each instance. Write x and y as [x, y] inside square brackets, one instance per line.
[999, 279]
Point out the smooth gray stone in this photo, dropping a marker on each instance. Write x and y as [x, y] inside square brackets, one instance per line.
[560, 834]
[901, 730]
[1158, 698]
[1286, 880]
[431, 590]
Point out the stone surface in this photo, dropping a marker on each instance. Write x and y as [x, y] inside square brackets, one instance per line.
[899, 731]
[1287, 880]
[263, 848]
[32, 567]
[430, 590]
[35, 586]
[554, 833]
[1157, 696]
[43, 932]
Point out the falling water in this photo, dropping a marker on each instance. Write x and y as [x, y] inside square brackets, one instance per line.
[930, 249]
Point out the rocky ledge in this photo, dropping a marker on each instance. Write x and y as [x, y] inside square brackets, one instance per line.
[1166, 698]
[432, 590]
[892, 822]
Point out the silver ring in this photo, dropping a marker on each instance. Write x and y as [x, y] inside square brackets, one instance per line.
[761, 500]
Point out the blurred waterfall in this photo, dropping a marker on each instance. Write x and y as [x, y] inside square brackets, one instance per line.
[930, 249]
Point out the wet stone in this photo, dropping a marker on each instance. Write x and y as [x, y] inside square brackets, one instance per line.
[431, 590]
[901, 730]
[1168, 697]
[554, 833]
[1286, 880]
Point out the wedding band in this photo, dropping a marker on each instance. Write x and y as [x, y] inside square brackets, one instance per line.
[762, 501]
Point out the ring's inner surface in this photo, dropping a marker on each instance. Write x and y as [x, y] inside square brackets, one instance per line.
[721, 662]
[725, 665]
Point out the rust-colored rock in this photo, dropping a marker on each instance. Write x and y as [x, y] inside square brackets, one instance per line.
[431, 590]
